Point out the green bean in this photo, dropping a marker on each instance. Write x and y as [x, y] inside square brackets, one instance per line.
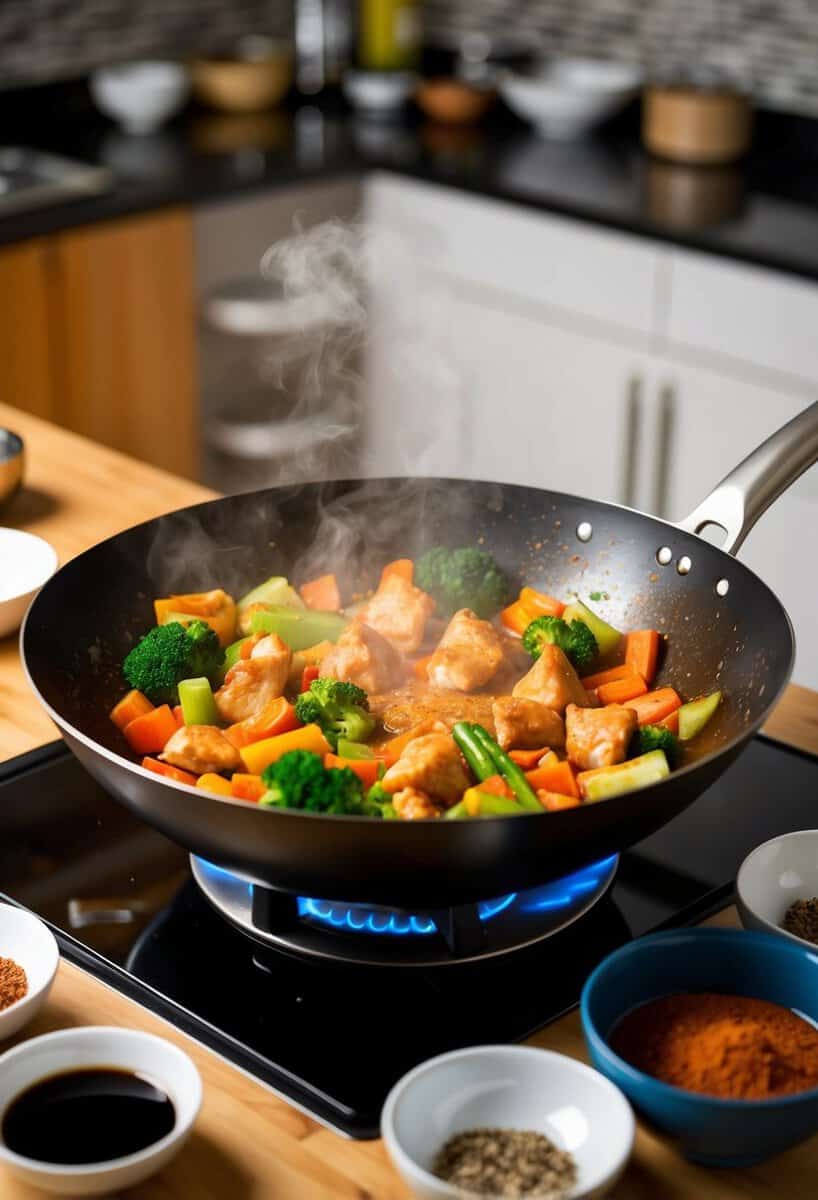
[503, 765]
[475, 755]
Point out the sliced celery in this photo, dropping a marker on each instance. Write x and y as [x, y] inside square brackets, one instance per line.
[275, 590]
[606, 782]
[607, 638]
[198, 705]
[694, 715]
[347, 749]
[233, 653]
[483, 804]
[299, 628]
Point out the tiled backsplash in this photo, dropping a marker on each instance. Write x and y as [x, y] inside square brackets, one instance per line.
[771, 45]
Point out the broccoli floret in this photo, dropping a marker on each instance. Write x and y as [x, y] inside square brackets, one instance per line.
[341, 710]
[655, 737]
[575, 639]
[467, 577]
[170, 653]
[300, 780]
[378, 802]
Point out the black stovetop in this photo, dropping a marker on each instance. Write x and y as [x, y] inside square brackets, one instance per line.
[330, 1038]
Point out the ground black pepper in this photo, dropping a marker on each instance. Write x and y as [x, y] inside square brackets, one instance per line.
[13, 982]
[506, 1162]
[801, 919]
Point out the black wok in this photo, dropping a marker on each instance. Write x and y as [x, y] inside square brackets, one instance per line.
[84, 620]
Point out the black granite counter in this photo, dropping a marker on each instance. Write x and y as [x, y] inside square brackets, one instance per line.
[764, 211]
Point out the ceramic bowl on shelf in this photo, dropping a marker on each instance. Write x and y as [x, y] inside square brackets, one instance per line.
[709, 1130]
[774, 875]
[12, 464]
[100, 1046]
[379, 93]
[253, 77]
[140, 96]
[28, 561]
[453, 101]
[516, 1087]
[31, 944]
[564, 99]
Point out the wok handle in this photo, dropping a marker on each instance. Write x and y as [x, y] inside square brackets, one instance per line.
[751, 487]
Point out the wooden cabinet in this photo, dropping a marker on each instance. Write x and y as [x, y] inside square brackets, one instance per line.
[97, 331]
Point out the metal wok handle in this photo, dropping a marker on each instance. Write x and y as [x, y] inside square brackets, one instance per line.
[751, 487]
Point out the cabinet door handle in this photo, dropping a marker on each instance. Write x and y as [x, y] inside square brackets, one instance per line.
[664, 444]
[633, 429]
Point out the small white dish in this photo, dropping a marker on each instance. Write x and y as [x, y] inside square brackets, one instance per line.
[516, 1087]
[566, 98]
[26, 562]
[376, 92]
[31, 944]
[774, 875]
[140, 96]
[100, 1046]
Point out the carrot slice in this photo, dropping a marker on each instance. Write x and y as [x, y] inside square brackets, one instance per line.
[672, 722]
[321, 593]
[392, 750]
[420, 668]
[622, 690]
[495, 785]
[612, 675]
[401, 566]
[516, 618]
[655, 706]
[246, 787]
[277, 717]
[527, 759]
[149, 733]
[131, 706]
[307, 676]
[642, 652]
[365, 768]
[559, 778]
[178, 715]
[554, 801]
[539, 604]
[170, 772]
[259, 755]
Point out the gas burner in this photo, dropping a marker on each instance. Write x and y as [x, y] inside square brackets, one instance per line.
[375, 935]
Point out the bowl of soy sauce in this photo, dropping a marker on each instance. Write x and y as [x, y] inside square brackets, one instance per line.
[89, 1111]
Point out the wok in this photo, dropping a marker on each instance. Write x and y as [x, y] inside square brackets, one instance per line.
[655, 574]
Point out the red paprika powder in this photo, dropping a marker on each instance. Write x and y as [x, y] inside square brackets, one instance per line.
[733, 1047]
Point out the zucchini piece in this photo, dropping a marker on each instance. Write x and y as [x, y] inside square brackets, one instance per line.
[694, 715]
[299, 627]
[607, 638]
[274, 591]
[605, 782]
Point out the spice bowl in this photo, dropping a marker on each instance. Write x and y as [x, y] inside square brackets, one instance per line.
[772, 877]
[509, 1087]
[31, 945]
[708, 1129]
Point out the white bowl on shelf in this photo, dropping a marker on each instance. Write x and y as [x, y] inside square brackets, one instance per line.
[518, 1087]
[772, 876]
[379, 93]
[27, 562]
[566, 98]
[140, 96]
[100, 1046]
[31, 944]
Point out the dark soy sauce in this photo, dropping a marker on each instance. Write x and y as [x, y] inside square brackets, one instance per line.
[85, 1116]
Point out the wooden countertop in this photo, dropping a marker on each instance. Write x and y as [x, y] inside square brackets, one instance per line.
[248, 1143]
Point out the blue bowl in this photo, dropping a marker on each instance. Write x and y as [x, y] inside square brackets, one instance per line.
[721, 1133]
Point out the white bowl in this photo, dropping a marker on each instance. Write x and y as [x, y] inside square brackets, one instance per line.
[379, 91]
[772, 876]
[568, 97]
[140, 96]
[93, 1046]
[26, 562]
[25, 939]
[518, 1087]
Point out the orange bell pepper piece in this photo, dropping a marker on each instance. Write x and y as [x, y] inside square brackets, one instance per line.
[365, 768]
[170, 772]
[539, 604]
[216, 608]
[401, 566]
[516, 618]
[150, 732]
[131, 706]
[210, 782]
[322, 593]
[277, 717]
[259, 755]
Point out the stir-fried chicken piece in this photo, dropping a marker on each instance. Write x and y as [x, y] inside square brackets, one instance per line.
[598, 737]
[200, 748]
[253, 682]
[399, 611]
[553, 682]
[469, 654]
[430, 764]
[526, 724]
[412, 805]
[363, 656]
